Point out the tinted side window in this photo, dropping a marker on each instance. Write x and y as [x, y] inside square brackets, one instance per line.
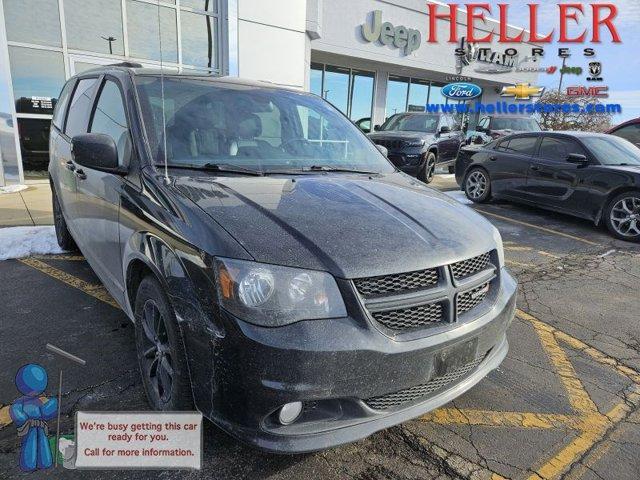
[630, 132]
[522, 145]
[110, 118]
[558, 148]
[502, 146]
[79, 108]
[61, 105]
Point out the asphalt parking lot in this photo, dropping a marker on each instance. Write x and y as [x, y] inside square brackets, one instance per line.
[564, 404]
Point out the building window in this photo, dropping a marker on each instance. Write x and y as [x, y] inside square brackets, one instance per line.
[315, 78]
[336, 87]
[204, 5]
[95, 25]
[349, 90]
[143, 33]
[397, 92]
[411, 94]
[33, 21]
[199, 39]
[38, 77]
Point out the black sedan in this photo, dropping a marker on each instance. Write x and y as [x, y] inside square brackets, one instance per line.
[588, 175]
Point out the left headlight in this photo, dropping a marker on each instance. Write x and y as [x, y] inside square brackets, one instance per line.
[415, 143]
[272, 296]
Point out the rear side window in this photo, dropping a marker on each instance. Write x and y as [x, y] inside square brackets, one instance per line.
[61, 105]
[558, 149]
[110, 118]
[521, 145]
[80, 107]
[630, 132]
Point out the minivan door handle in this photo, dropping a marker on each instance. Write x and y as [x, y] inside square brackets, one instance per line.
[535, 167]
[80, 174]
[70, 165]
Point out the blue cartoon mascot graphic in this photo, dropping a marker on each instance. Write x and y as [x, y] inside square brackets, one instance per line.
[30, 414]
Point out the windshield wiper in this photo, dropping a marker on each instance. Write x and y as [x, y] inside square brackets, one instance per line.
[220, 167]
[325, 168]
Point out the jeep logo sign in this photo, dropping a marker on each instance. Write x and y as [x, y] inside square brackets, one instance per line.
[399, 37]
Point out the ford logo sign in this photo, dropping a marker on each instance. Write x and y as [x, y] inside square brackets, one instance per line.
[461, 91]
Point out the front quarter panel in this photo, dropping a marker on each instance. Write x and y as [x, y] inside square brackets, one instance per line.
[175, 240]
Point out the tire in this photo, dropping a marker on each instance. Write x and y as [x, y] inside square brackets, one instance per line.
[452, 169]
[622, 216]
[428, 171]
[477, 185]
[63, 235]
[160, 351]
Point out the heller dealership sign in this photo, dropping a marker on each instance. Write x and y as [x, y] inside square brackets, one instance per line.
[406, 39]
[599, 16]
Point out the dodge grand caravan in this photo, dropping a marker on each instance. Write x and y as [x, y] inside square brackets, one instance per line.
[283, 276]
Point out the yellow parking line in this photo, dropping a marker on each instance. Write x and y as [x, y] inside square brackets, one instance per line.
[96, 291]
[578, 397]
[73, 258]
[492, 418]
[510, 248]
[538, 227]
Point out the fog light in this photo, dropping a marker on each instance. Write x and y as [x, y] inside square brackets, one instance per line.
[289, 413]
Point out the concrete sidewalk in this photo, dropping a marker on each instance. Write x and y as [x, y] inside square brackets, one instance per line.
[27, 208]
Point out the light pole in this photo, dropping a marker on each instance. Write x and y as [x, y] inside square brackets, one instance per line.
[73, 358]
[110, 40]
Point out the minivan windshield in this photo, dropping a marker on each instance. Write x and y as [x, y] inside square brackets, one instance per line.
[408, 122]
[612, 150]
[518, 124]
[248, 128]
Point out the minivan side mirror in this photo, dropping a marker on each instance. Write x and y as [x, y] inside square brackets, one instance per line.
[96, 151]
[376, 128]
[445, 129]
[577, 158]
[383, 150]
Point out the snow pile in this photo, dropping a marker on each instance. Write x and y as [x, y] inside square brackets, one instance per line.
[459, 196]
[12, 189]
[18, 242]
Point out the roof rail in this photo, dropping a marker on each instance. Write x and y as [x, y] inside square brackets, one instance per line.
[126, 64]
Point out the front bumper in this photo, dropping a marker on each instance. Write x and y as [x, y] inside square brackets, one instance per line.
[331, 366]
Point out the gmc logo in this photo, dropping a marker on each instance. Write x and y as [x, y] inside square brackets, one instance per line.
[588, 91]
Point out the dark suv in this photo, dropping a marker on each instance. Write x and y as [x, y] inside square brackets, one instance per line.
[283, 277]
[418, 142]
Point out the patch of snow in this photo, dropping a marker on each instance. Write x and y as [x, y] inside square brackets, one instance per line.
[12, 189]
[607, 253]
[18, 242]
[459, 196]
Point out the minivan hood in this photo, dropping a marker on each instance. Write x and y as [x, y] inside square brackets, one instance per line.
[350, 225]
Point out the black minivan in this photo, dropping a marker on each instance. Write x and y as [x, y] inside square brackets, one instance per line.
[283, 276]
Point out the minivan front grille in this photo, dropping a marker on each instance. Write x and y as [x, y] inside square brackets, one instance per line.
[465, 301]
[466, 268]
[402, 282]
[417, 392]
[435, 295]
[409, 318]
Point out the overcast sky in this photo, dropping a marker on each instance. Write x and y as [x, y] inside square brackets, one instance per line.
[620, 62]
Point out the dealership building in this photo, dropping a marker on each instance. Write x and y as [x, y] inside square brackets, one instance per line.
[370, 58]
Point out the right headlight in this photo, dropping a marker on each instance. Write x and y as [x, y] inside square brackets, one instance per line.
[272, 295]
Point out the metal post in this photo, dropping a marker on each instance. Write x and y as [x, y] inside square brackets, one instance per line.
[564, 60]
[58, 422]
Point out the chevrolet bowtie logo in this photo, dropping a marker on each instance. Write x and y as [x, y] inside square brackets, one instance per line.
[522, 91]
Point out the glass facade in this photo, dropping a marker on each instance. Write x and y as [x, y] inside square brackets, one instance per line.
[349, 90]
[411, 94]
[68, 37]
